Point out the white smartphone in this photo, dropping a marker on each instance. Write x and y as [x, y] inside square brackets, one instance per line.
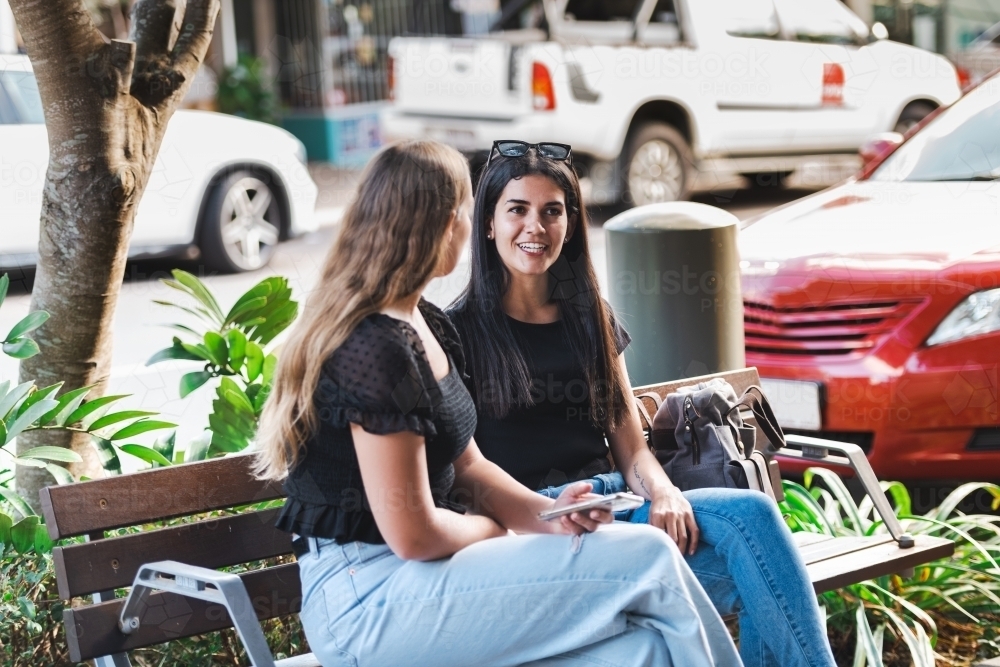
[616, 502]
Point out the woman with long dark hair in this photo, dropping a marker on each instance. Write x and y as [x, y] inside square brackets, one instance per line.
[370, 426]
[546, 370]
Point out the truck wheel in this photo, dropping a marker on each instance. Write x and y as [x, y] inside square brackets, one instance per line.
[242, 224]
[658, 165]
[912, 114]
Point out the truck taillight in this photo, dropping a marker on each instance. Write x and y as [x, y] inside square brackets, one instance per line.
[833, 85]
[391, 77]
[964, 78]
[543, 94]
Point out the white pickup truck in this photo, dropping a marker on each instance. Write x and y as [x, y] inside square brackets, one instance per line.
[662, 97]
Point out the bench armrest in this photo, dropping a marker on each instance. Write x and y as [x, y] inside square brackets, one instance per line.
[807, 448]
[203, 584]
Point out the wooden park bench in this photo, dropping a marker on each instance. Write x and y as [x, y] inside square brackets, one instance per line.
[178, 591]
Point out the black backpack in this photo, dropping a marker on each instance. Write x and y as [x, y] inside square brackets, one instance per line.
[701, 440]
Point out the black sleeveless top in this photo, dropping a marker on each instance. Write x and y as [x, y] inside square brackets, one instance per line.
[380, 379]
[553, 440]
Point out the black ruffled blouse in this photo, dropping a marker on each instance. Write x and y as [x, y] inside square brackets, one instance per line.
[380, 379]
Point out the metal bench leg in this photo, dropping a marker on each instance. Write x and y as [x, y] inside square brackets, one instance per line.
[816, 449]
[202, 584]
[115, 659]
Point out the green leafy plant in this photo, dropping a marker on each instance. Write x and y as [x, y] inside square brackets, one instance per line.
[233, 347]
[966, 586]
[245, 91]
[25, 407]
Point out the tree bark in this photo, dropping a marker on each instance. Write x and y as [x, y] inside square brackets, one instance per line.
[106, 109]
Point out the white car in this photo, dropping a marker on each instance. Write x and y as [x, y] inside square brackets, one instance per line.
[660, 97]
[222, 188]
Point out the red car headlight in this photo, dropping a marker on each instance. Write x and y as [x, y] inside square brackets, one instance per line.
[979, 313]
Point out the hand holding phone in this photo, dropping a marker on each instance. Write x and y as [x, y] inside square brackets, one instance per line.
[615, 502]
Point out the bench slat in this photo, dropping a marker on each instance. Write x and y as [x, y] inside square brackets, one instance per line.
[805, 539]
[152, 495]
[876, 561]
[92, 631]
[112, 563]
[741, 380]
[840, 546]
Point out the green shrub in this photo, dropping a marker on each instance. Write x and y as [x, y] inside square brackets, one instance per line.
[965, 587]
[245, 91]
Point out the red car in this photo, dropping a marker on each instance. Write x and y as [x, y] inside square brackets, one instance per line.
[873, 308]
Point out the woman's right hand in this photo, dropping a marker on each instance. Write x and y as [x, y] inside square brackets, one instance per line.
[578, 523]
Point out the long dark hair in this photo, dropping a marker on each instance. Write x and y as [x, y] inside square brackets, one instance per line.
[501, 378]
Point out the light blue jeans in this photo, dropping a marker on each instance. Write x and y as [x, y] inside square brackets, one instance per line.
[619, 597]
[747, 563]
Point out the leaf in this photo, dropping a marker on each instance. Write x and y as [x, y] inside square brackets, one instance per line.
[900, 496]
[50, 453]
[3, 433]
[68, 402]
[270, 363]
[260, 398]
[198, 290]
[197, 449]
[13, 398]
[255, 360]
[949, 504]
[864, 631]
[232, 393]
[21, 348]
[26, 606]
[16, 501]
[261, 290]
[115, 417]
[30, 416]
[5, 523]
[22, 534]
[146, 454]
[43, 543]
[175, 351]
[90, 407]
[237, 343]
[38, 395]
[217, 348]
[165, 444]
[108, 455]
[30, 322]
[239, 312]
[200, 313]
[4, 285]
[191, 381]
[29, 463]
[836, 486]
[61, 475]
[142, 426]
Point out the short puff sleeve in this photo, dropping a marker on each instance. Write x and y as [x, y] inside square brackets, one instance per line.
[379, 380]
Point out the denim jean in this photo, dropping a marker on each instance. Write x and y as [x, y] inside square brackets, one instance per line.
[748, 564]
[619, 597]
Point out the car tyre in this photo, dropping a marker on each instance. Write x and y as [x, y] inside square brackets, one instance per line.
[912, 114]
[658, 165]
[241, 224]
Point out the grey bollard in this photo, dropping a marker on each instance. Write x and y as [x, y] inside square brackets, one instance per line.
[674, 281]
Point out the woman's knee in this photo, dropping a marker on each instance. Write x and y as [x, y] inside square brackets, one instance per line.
[749, 507]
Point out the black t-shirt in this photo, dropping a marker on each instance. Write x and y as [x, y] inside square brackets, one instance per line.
[380, 379]
[553, 440]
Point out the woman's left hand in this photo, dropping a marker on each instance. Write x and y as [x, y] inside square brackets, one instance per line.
[670, 511]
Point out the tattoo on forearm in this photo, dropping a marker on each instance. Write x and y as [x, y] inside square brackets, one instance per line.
[642, 482]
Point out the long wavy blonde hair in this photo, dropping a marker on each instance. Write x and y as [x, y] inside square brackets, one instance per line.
[391, 241]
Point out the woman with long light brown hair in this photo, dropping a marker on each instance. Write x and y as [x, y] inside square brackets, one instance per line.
[371, 426]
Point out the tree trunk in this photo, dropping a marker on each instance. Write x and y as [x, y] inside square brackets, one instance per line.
[106, 110]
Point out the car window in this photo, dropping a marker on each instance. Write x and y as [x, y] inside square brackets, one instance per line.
[23, 104]
[521, 15]
[821, 21]
[962, 144]
[601, 10]
[748, 18]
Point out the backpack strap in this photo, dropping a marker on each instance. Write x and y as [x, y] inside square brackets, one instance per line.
[755, 399]
[645, 421]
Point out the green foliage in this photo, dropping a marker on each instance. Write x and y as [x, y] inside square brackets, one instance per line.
[25, 408]
[965, 587]
[245, 91]
[232, 346]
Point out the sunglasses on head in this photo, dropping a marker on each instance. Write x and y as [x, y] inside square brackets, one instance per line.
[510, 148]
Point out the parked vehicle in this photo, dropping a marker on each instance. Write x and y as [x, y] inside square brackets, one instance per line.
[224, 188]
[660, 97]
[874, 307]
[981, 57]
